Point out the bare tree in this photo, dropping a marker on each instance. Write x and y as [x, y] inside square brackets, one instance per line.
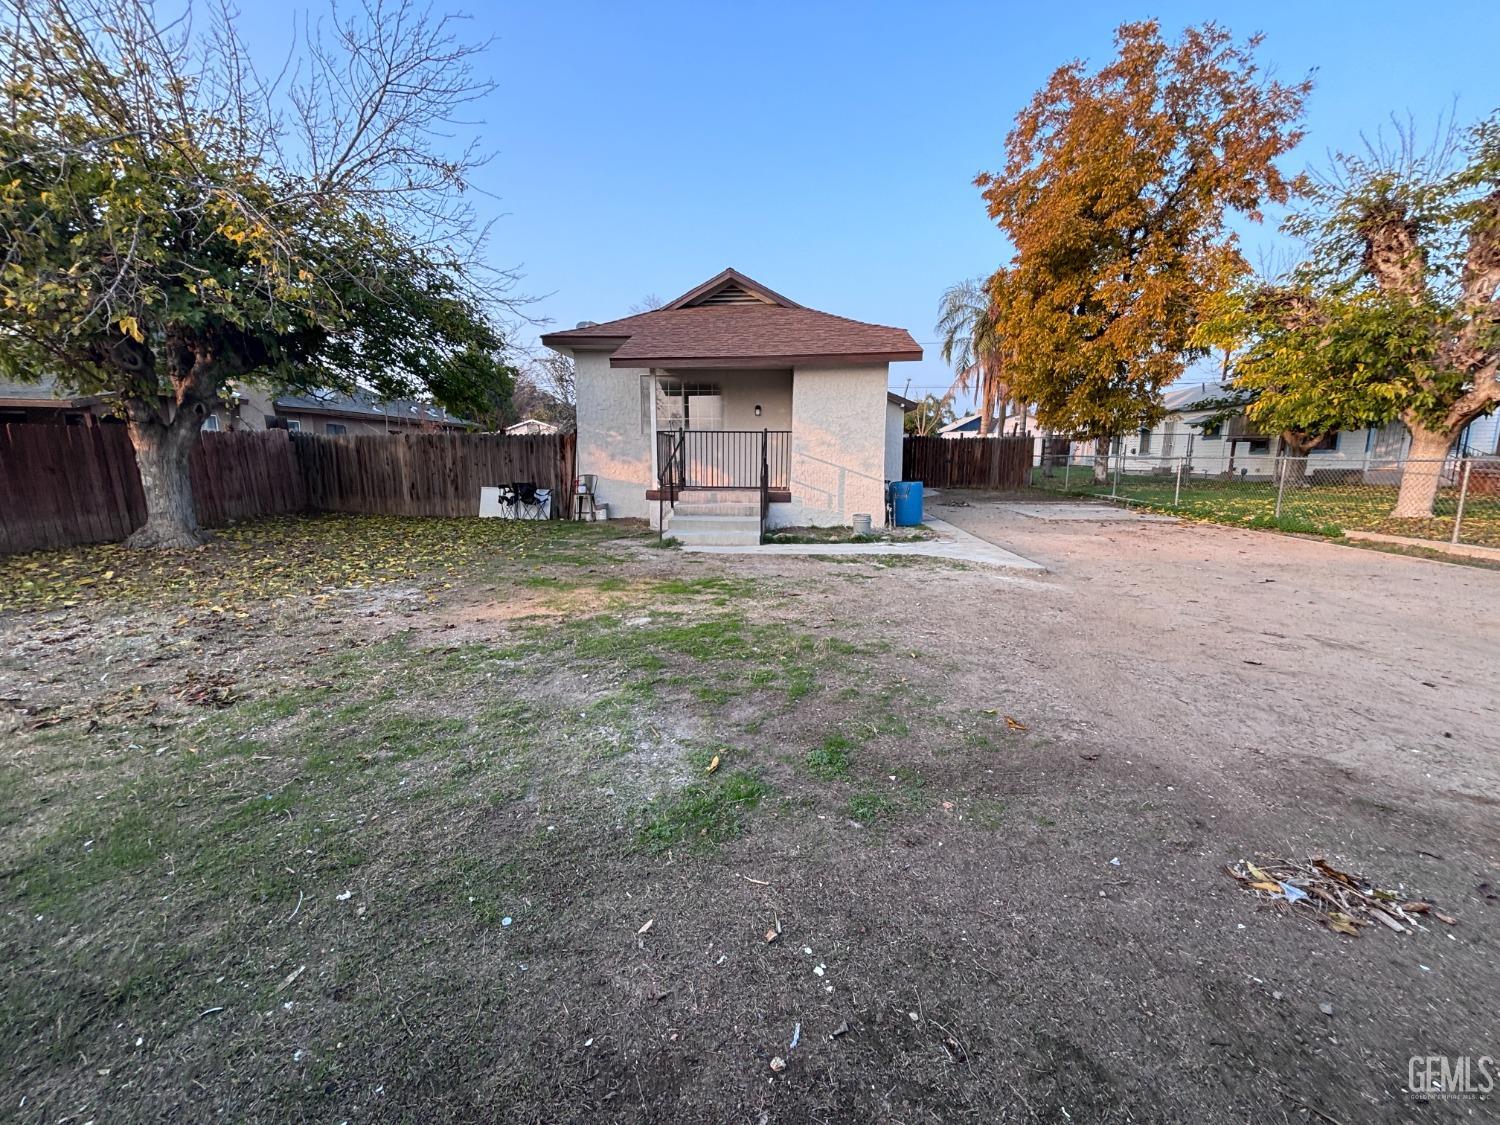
[545, 389]
[176, 220]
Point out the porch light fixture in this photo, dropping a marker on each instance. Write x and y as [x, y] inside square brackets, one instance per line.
[757, 410]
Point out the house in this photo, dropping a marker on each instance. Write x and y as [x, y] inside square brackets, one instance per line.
[329, 412]
[246, 408]
[1015, 423]
[732, 397]
[532, 426]
[42, 402]
[1195, 427]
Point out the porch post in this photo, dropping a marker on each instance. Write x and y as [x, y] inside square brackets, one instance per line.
[655, 453]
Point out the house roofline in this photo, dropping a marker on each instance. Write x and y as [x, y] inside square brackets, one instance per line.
[725, 277]
[762, 361]
[367, 416]
[582, 343]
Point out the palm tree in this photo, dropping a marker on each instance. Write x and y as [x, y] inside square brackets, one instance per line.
[973, 347]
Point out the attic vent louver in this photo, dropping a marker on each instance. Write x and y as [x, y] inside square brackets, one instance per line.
[731, 295]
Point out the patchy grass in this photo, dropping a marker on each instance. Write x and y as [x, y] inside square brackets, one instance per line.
[846, 535]
[702, 815]
[1314, 509]
[830, 760]
[407, 821]
[869, 807]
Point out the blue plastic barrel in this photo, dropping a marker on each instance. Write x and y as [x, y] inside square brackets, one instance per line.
[906, 502]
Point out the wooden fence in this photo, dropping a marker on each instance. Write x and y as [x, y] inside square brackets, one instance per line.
[428, 474]
[1002, 463]
[66, 484]
[61, 485]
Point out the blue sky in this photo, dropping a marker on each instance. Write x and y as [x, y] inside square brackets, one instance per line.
[827, 149]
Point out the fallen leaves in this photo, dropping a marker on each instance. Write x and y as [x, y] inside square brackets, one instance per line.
[1343, 901]
[285, 556]
[213, 690]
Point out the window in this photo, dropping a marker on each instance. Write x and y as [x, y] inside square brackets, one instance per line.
[333, 429]
[1145, 441]
[1259, 447]
[211, 424]
[1326, 442]
[294, 424]
[1212, 431]
[688, 406]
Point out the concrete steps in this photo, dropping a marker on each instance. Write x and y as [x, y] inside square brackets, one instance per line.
[715, 519]
[721, 509]
[718, 496]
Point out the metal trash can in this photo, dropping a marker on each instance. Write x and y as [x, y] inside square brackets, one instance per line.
[862, 523]
[906, 503]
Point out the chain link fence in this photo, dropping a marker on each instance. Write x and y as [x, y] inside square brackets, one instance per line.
[1456, 500]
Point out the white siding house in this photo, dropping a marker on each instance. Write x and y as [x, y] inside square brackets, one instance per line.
[1231, 447]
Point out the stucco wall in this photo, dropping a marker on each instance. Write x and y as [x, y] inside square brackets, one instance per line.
[895, 434]
[838, 445]
[614, 441]
[744, 390]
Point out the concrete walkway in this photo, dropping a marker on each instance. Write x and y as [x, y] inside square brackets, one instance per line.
[951, 543]
[1467, 550]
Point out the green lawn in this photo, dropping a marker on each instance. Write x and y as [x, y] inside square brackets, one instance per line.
[1322, 509]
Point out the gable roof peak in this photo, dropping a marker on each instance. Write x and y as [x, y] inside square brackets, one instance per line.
[730, 287]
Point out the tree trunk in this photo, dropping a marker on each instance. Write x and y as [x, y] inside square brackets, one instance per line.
[1101, 460]
[1291, 463]
[161, 454]
[1422, 474]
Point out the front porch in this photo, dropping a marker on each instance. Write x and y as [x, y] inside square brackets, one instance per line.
[689, 461]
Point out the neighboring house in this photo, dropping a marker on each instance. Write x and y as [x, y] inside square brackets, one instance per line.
[41, 402]
[330, 412]
[532, 426]
[1195, 428]
[1015, 423]
[693, 395]
[248, 408]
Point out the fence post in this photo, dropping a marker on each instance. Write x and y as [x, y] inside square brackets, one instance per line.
[1280, 464]
[1177, 491]
[1067, 468]
[1114, 489]
[1463, 494]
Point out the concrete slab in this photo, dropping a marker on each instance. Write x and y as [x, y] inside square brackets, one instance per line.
[951, 543]
[1087, 512]
[1467, 550]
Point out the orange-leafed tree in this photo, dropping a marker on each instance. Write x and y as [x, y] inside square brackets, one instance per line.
[1117, 192]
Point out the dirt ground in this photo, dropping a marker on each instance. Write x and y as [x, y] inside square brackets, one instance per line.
[527, 836]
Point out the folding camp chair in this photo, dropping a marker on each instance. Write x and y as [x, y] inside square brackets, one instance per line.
[528, 503]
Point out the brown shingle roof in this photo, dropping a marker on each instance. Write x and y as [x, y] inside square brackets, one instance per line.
[695, 331]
